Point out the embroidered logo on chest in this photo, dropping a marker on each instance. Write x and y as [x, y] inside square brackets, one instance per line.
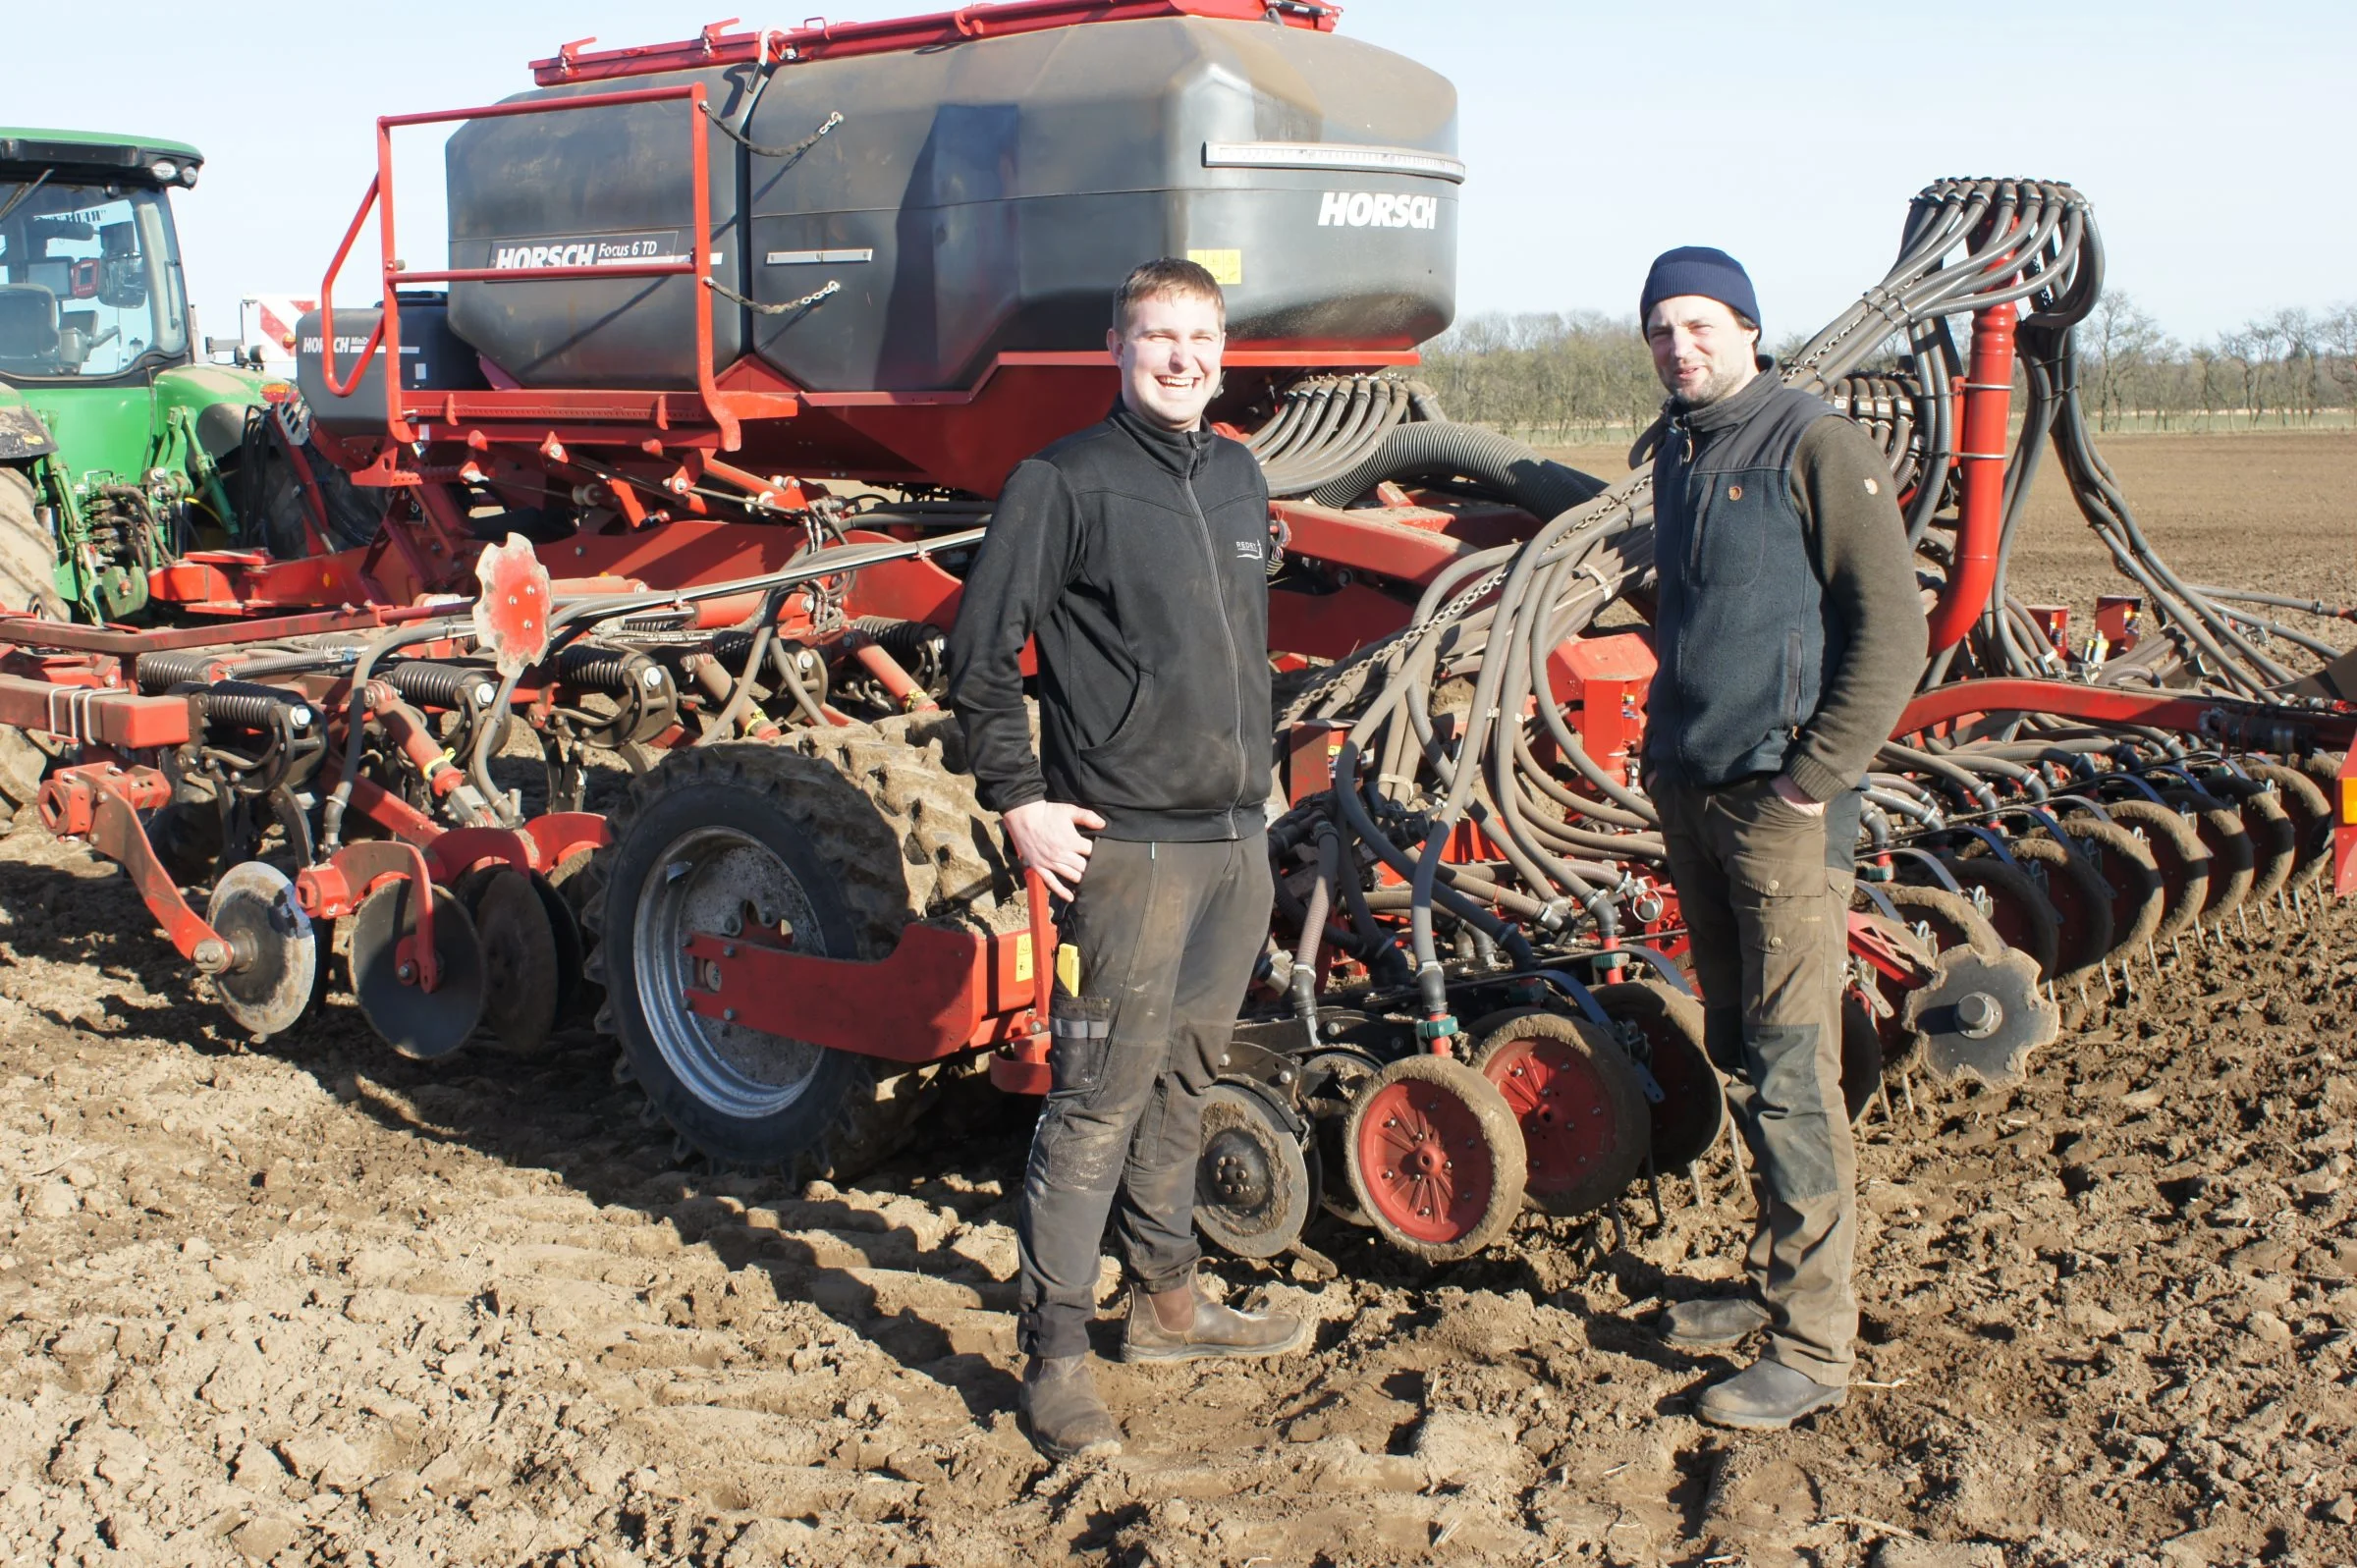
[1247, 550]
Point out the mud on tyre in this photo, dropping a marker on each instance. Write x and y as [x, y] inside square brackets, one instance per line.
[839, 840]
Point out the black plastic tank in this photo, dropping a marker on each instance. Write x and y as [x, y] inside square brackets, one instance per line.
[434, 358]
[971, 200]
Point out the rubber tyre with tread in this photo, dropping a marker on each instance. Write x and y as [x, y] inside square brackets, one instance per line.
[1693, 1108]
[2125, 864]
[2178, 853]
[28, 550]
[868, 827]
[1487, 1132]
[1586, 1128]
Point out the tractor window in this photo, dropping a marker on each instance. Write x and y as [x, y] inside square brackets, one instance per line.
[90, 280]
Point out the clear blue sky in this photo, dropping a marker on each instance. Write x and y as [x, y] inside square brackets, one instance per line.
[2213, 137]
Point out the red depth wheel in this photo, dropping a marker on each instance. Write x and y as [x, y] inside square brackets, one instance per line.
[1572, 1092]
[1435, 1157]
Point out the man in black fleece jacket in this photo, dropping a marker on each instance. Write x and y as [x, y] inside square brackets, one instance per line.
[1133, 555]
[1789, 632]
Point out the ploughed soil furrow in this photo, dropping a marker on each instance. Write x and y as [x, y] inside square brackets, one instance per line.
[310, 1303]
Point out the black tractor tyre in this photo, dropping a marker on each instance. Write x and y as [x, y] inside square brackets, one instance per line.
[28, 551]
[272, 498]
[861, 837]
[27, 583]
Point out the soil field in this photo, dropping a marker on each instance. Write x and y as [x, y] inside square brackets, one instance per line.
[310, 1303]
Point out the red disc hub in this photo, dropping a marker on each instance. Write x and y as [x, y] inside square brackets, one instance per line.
[1426, 1163]
[1563, 1106]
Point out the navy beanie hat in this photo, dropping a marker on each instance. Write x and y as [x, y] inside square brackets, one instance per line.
[1698, 269]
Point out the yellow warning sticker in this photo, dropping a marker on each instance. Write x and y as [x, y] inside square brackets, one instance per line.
[1227, 267]
[1023, 958]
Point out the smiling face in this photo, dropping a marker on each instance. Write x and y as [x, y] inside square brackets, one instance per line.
[1169, 354]
[1701, 351]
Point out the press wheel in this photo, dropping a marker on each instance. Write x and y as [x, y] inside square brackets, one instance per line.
[2310, 804]
[1435, 1157]
[2274, 834]
[2125, 864]
[2177, 854]
[2080, 899]
[1861, 1054]
[1333, 1078]
[1693, 1104]
[2219, 826]
[1945, 919]
[1585, 1124]
[1253, 1188]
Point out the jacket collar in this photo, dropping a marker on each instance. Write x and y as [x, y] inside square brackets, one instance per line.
[1685, 426]
[1181, 451]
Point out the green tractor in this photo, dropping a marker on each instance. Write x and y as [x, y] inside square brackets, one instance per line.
[122, 446]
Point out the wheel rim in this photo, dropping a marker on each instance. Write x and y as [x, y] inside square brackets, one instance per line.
[1563, 1106]
[719, 881]
[1424, 1161]
[1252, 1185]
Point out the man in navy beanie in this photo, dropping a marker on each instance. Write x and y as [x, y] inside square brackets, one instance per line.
[1789, 634]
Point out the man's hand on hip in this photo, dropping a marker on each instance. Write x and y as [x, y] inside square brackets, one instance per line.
[1792, 794]
[1047, 837]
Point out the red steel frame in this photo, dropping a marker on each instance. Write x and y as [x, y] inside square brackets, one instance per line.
[822, 41]
[940, 993]
[724, 410]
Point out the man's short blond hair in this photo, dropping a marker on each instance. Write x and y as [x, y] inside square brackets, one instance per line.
[1171, 275]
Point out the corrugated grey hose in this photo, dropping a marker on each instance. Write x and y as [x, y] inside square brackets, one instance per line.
[1541, 487]
[1329, 425]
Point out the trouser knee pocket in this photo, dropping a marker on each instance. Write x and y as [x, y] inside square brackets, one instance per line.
[1795, 1125]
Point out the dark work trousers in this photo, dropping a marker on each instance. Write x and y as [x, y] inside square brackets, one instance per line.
[1168, 934]
[1764, 888]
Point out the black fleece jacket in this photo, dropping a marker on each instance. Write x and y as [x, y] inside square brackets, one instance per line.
[1136, 557]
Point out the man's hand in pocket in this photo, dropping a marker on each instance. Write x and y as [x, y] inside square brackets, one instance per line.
[1047, 837]
[1791, 793]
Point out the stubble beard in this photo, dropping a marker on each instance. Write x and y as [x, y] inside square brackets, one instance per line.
[1721, 383]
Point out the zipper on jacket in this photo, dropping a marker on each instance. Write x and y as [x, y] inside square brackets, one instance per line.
[1219, 595]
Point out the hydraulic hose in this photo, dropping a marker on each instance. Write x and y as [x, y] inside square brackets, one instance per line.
[1539, 486]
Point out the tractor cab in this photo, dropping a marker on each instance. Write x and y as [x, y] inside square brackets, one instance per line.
[90, 284]
[132, 469]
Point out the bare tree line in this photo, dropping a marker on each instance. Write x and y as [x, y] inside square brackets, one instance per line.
[1585, 376]
[2279, 370]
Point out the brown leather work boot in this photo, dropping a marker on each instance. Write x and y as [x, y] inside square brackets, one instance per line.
[1181, 1326]
[1067, 1414]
